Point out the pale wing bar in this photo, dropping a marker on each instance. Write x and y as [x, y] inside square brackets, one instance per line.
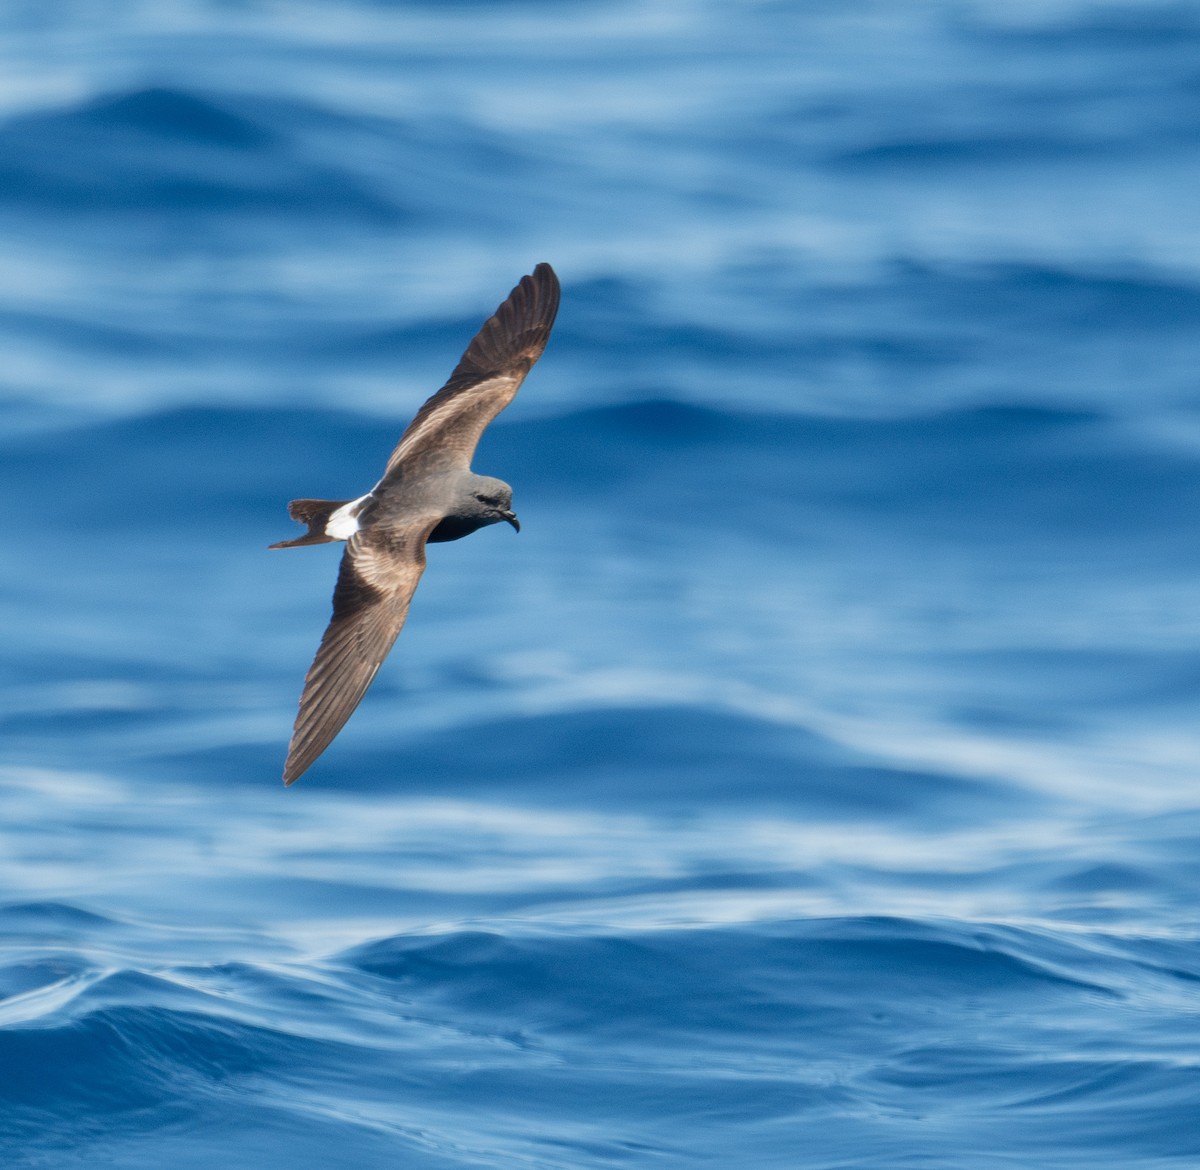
[447, 428]
[370, 603]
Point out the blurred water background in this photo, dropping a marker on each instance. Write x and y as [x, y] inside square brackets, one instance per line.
[811, 784]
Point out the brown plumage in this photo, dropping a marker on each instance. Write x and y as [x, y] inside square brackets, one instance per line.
[446, 430]
[427, 493]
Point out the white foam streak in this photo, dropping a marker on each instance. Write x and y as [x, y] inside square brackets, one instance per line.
[47, 1000]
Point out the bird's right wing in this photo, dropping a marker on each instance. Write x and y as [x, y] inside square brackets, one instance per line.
[375, 585]
[447, 428]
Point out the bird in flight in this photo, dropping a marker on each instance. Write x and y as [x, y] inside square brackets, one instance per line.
[428, 493]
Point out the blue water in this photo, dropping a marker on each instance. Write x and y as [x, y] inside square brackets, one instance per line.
[813, 784]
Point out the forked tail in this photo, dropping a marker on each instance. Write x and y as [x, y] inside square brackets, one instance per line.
[314, 513]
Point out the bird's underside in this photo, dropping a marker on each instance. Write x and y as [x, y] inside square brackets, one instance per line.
[427, 485]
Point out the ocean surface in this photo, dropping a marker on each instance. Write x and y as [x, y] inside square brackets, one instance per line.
[814, 783]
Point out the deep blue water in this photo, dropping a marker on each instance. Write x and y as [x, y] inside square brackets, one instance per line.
[813, 784]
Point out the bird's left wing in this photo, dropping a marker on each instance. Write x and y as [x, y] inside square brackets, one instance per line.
[376, 582]
[447, 428]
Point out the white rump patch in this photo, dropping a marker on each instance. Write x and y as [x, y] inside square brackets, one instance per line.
[343, 524]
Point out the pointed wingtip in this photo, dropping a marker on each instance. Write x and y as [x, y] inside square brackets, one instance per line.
[292, 769]
[546, 280]
[508, 342]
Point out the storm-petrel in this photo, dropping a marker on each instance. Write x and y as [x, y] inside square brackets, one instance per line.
[428, 493]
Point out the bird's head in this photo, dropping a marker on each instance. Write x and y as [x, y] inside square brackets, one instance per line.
[494, 498]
